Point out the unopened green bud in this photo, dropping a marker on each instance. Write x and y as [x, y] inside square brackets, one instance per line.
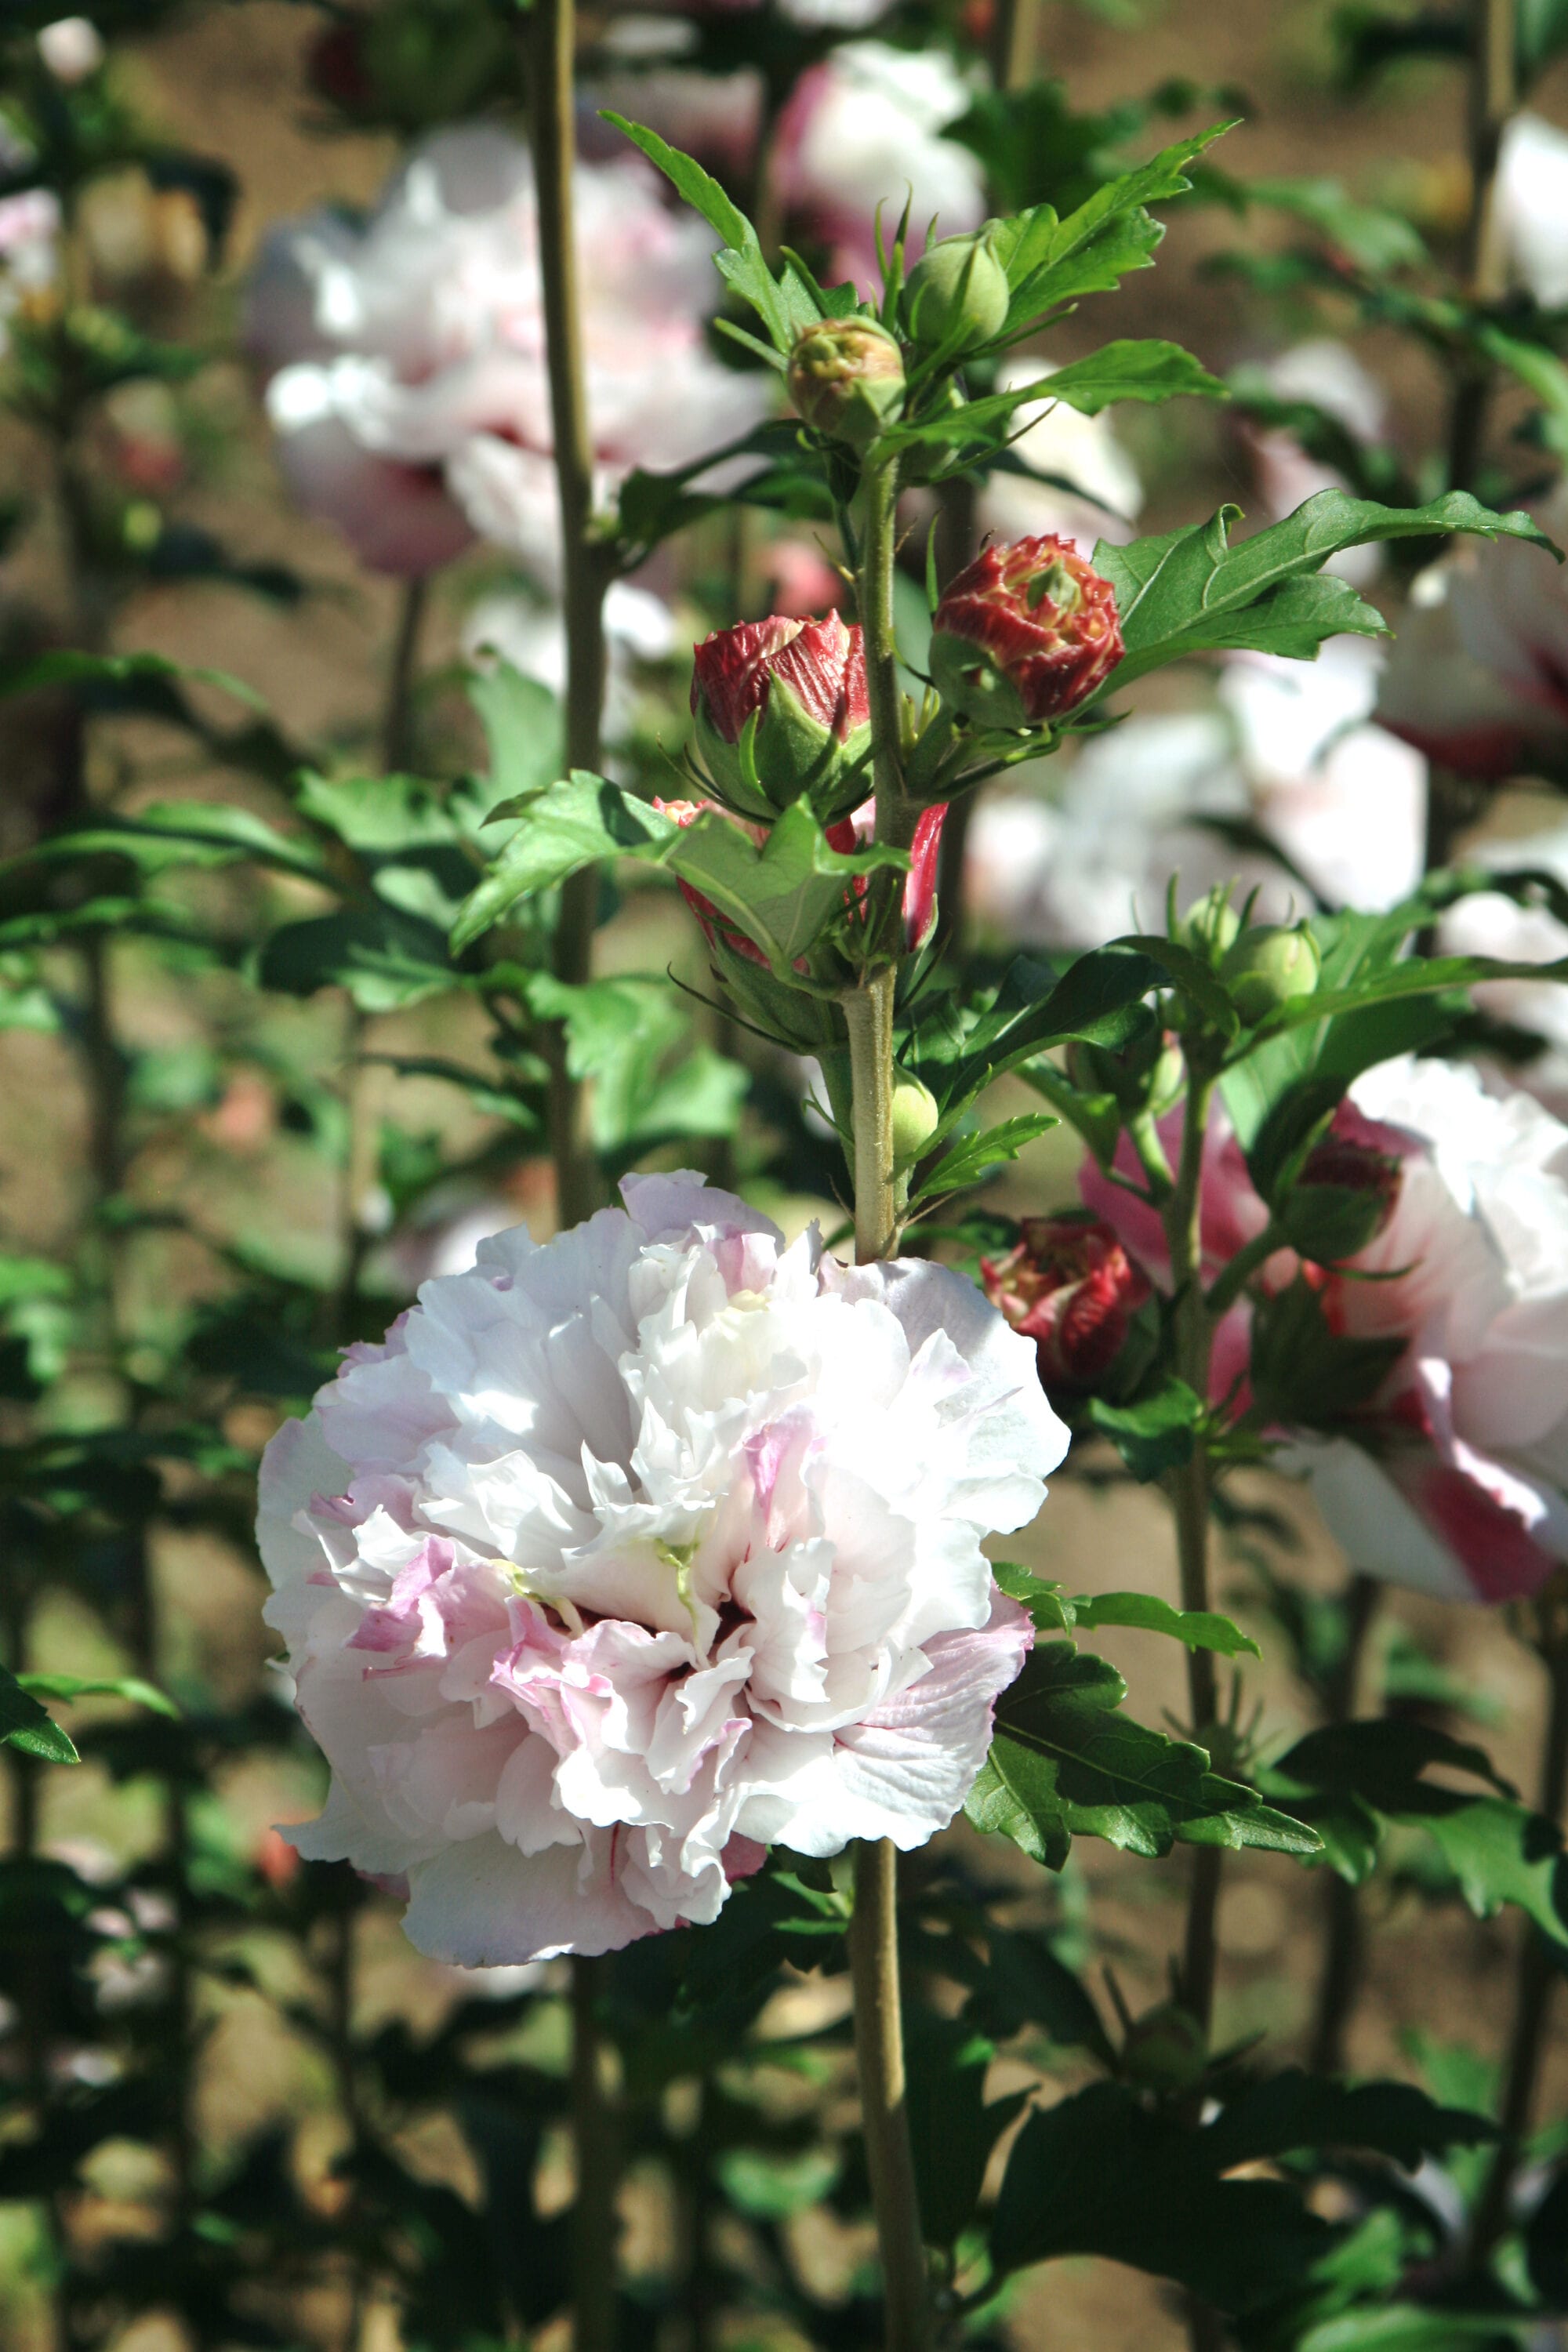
[1164, 2051]
[1146, 1075]
[957, 293]
[847, 379]
[1211, 928]
[1267, 966]
[915, 1120]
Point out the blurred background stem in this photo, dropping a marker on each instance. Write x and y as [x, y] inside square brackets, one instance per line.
[1539, 1963]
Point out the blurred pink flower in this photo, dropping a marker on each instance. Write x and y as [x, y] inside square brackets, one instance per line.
[1455, 1480]
[408, 386]
[863, 128]
[625, 1557]
[1477, 676]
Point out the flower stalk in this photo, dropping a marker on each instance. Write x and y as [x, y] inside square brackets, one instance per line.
[868, 1017]
[551, 43]
[584, 568]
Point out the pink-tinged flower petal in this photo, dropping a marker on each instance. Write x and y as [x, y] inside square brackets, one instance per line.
[641, 1548]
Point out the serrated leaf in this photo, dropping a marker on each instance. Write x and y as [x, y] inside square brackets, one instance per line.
[781, 892]
[1050, 261]
[1194, 591]
[784, 303]
[1050, 1613]
[1099, 2174]
[975, 1155]
[1143, 371]
[24, 1724]
[573, 822]
[1499, 1850]
[1066, 1762]
[1198, 1629]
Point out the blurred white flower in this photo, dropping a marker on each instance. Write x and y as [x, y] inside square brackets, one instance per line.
[1327, 374]
[1529, 207]
[71, 47]
[863, 128]
[1489, 924]
[29, 249]
[412, 350]
[626, 1556]
[1082, 451]
[638, 628]
[1288, 752]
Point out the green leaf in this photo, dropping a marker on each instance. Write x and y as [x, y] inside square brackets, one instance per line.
[1193, 591]
[770, 2184]
[628, 1034]
[1375, 239]
[1052, 1613]
[384, 958]
[1294, 2111]
[1099, 2174]
[782, 892]
[1050, 261]
[570, 824]
[1098, 999]
[1146, 371]
[75, 1686]
[1499, 1850]
[953, 2130]
[1158, 1431]
[1199, 1629]
[1408, 2327]
[976, 1155]
[378, 816]
[785, 304]
[26, 1724]
[523, 724]
[1065, 1762]
[171, 833]
[67, 667]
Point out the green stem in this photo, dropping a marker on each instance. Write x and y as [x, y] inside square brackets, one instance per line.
[1344, 1939]
[1494, 99]
[397, 719]
[879, 2057]
[1538, 1970]
[584, 568]
[868, 1019]
[1189, 1489]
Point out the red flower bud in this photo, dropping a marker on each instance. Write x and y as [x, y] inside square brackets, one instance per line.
[1070, 1286]
[781, 709]
[919, 883]
[1025, 634]
[1347, 1190]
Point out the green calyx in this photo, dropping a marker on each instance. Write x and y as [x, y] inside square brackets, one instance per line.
[846, 379]
[784, 753]
[957, 295]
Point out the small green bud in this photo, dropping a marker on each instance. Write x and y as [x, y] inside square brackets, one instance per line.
[957, 289]
[1164, 2051]
[1267, 966]
[1211, 928]
[915, 1120]
[847, 379]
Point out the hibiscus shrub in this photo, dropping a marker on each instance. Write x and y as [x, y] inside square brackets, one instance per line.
[556, 1189]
